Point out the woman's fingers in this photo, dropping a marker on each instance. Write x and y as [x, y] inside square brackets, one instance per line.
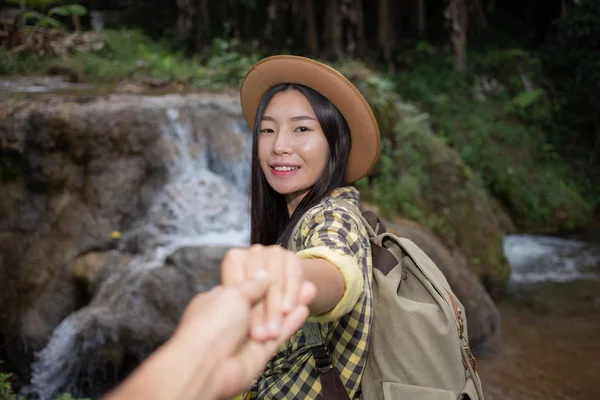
[254, 290]
[293, 281]
[307, 293]
[233, 269]
[291, 323]
[276, 264]
[284, 273]
[255, 267]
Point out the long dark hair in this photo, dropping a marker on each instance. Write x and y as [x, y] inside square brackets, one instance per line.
[270, 222]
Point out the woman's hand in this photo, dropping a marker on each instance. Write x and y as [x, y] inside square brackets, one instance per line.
[283, 270]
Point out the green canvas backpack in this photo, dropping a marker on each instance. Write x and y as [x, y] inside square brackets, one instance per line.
[419, 346]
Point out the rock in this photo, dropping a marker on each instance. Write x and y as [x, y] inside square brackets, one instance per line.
[77, 169]
[134, 310]
[483, 318]
[87, 268]
[59, 298]
[203, 263]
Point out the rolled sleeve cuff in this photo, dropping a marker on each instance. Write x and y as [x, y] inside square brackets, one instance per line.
[351, 274]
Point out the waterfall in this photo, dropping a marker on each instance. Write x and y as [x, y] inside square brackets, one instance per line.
[203, 202]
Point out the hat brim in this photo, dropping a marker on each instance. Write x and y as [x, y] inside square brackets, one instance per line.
[330, 83]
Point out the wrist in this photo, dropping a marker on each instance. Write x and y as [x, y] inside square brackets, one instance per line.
[195, 358]
[180, 369]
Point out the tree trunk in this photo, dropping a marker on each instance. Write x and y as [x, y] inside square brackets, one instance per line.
[480, 13]
[185, 18]
[311, 38]
[566, 5]
[272, 18]
[333, 29]
[360, 28]
[421, 18]
[203, 32]
[384, 31]
[225, 21]
[235, 19]
[456, 14]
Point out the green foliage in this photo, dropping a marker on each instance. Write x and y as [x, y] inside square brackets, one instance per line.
[421, 178]
[130, 55]
[525, 99]
[46, 20]
[68, 396]
[572, 63]
[228, 63]
[502, 138]
[7, 391]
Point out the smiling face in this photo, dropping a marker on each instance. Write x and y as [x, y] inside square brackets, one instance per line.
[292, 148]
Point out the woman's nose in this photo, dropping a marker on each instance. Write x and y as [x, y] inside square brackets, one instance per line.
[282, 144]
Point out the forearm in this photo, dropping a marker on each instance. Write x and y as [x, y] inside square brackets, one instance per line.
[172, 372]
[338, 279]
[329, 283]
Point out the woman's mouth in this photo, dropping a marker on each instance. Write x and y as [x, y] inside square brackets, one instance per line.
[284, 170]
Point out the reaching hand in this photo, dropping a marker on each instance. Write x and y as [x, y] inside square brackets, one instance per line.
[282, 268]
[211, 354]
[248, 357]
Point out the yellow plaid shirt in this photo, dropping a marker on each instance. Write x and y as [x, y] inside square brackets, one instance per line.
[328, 231]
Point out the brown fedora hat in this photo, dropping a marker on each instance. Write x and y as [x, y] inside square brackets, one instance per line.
[330, 83]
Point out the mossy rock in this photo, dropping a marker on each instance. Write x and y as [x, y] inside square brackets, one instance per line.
[516, 165]
[422, 178]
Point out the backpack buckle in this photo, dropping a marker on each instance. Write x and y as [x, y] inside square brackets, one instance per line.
[322, 358]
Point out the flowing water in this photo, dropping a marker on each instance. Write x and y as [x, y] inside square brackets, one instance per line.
[203, 203]
[549, 348]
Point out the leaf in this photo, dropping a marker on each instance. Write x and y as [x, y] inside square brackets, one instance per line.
[49, 22]
[525, 99]
[36, 16]
[66, 11]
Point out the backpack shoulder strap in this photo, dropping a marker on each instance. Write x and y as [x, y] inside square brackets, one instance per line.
[332, 387]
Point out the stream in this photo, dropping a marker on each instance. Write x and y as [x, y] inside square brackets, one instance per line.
[549, 345]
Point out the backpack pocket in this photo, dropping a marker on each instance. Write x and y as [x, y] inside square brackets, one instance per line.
[399, 391]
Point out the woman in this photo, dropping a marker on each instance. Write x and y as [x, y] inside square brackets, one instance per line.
[313, 135]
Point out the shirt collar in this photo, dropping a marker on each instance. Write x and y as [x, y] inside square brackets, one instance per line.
[348, 193]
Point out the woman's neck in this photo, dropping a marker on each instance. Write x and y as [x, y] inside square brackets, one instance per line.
[293, 199]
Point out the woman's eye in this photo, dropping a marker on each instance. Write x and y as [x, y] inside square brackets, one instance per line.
[266, 130]
[302, 129]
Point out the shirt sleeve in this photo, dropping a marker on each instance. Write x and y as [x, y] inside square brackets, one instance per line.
[333, 236]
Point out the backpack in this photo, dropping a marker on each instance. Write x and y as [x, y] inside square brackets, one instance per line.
[419, 346]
